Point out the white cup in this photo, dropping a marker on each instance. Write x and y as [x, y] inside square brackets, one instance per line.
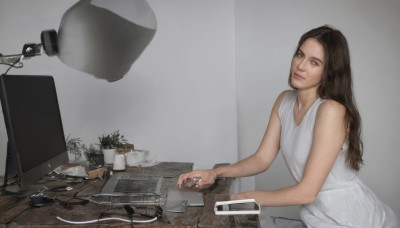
[136, 157]
[109, 156]
[119, 162]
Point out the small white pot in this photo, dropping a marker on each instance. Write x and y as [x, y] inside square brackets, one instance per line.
[108, 156]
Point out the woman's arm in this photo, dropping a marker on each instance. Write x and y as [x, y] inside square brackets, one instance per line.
[266, 153]
[329, 136]
[254, 164]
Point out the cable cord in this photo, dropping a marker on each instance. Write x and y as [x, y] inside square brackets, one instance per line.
[106, 219]
[14, 65]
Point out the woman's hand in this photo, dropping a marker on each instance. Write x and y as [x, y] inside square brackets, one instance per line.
[197, 179]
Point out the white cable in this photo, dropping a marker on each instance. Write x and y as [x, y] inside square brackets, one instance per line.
[106, 219]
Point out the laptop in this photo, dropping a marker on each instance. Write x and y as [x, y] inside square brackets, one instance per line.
[127, 183]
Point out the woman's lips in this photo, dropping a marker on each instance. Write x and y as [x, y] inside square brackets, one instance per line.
[298, 76]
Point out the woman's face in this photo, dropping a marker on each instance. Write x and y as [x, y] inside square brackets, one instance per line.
[308, 65]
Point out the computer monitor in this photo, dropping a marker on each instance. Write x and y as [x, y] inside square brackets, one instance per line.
[36, 141]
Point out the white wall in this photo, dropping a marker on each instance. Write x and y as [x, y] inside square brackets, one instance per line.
[178, 100]
[266, 36]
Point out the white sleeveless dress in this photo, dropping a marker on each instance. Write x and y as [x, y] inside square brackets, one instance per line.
[344, 200]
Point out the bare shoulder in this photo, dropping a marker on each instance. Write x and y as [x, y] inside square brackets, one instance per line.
[279, 99]
[283, 93]
[332, 109]
[281, 96]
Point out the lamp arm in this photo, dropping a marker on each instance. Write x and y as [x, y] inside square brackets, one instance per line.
[29, 50]
[49, 45]
[12, 60]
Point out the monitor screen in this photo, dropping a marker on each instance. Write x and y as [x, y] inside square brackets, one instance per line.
[36, 141]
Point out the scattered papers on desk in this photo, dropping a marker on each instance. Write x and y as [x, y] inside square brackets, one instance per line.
[96, 173]
[77, 170]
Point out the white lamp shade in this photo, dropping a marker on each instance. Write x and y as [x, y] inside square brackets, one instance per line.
[104, 38]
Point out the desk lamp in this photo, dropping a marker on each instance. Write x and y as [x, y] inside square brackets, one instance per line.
[99, 37]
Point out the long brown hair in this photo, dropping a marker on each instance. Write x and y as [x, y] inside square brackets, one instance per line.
[336, 84]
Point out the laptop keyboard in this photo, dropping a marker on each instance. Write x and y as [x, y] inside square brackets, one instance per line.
[136, 186]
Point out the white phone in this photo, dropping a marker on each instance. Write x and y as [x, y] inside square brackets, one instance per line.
[237, 207]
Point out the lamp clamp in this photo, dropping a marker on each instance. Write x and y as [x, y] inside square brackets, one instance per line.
[49, 44]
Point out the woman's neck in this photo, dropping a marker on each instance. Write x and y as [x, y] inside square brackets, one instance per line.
[305, 99]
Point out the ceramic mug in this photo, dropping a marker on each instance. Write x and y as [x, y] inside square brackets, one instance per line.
[119, 162]
[109, 156]
[136, 157]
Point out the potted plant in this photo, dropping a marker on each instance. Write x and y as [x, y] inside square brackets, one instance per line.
[74, 148]
[109, 143]
[94, 155]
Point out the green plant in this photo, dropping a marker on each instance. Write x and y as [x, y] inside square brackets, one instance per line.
[74, 146]
[111, 141]
[94, 155]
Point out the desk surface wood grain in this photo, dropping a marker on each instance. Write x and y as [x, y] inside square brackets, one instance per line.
[16, 212]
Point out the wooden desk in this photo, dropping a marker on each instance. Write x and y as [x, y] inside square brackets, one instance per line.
[16, 212]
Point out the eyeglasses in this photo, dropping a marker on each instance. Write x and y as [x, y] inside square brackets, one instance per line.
[68, 201]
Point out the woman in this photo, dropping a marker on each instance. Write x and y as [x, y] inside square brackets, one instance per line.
[317, 128]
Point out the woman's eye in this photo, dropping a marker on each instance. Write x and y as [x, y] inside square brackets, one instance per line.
[314, 63]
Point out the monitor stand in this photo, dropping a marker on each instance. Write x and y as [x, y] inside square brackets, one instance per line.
[11, 178]
[11, 170]
[21, 191]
